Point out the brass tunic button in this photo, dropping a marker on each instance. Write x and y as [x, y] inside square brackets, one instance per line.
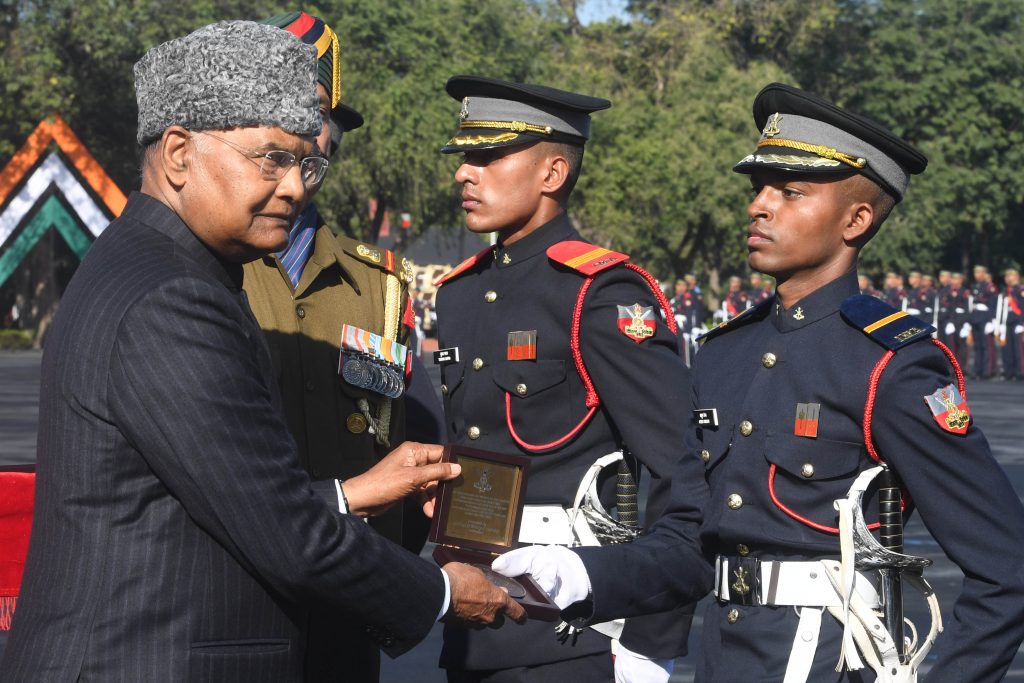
[478, 363]
[705, 455]
[746, 428]
[742, 550]
[356, 423]
[734, 501]
[732, 616]
[521, 389]
[473, 432]
[807, 470]
[300, 311]
[768, 360]
[444, 389]
[491, 296]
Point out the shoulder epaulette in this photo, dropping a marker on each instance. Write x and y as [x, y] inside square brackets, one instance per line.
[741, 318]
[890, 327]
[463, 267]
[377, 256]
[585, 258]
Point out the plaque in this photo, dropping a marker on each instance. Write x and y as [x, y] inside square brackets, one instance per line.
[477, 517]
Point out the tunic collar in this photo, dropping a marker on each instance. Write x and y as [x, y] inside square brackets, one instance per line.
[153, 213]
[820, 303]
[537, 242]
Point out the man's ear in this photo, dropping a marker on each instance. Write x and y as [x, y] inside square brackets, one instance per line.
[175, 155]
[861, 217]
[557, 173]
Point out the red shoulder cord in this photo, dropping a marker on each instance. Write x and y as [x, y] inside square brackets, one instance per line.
[592, 400]
[869, 443]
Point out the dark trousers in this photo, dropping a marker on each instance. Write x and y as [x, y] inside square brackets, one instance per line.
[593, 668]
[984, 351]
[1012, 350]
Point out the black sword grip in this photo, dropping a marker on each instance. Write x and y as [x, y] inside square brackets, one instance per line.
[626, 496]
[890, 516]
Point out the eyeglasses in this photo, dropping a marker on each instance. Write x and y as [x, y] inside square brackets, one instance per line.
[276, 163]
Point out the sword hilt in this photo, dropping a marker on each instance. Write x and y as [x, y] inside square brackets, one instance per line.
[626, 496]
[890, 530]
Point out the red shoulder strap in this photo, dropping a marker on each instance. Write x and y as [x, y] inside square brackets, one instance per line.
[583, 257]
[462, 267]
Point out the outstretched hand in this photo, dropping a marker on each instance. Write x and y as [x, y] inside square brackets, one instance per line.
[477, 601]
[410, 468]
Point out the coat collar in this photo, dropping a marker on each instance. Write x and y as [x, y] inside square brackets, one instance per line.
[154, 214]
[820, 303]
[536, 243]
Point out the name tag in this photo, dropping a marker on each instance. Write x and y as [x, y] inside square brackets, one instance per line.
[706, 417]
[446, 356]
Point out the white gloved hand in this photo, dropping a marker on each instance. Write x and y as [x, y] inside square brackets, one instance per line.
[1019, 329]
[556, 569]
[633, 668]
[697, 331]
[990, 327]
[965, 331]
[680, 319]
[950, 329]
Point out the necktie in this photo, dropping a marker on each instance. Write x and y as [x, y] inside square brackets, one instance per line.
[300, 245]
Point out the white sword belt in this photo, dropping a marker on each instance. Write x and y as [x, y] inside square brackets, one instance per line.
[770, 583]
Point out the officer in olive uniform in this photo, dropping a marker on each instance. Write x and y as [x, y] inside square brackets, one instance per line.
[554, 348]
[302, 298]
[785, 425]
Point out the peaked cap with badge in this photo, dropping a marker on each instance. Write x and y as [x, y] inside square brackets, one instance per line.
[498, 113]
[796, 408]
[804, 133]
[557, 348]
[315, 31]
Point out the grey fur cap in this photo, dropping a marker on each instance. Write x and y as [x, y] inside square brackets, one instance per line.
[228, 74]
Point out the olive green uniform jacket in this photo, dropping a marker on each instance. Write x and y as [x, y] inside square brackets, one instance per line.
[344, 281]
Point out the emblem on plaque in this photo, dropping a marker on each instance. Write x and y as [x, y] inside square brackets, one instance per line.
[740, 585]
[483, 485]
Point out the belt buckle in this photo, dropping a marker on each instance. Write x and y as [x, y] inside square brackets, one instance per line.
[744, 580]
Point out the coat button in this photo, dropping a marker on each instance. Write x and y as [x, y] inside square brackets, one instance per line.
[705, 455]
[734, 501]
[478, 363]
[746, 428]
[491, 296]
[807, 470]
[732, 616]
[309, 385]
[521, 389]
[444, 389]
[768, 360]
[300, 311]
[473, 432]
[742, 550]
[356, 423]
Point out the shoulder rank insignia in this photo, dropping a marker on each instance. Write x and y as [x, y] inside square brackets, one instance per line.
[463, 267]
[890, 327]
[585, 258]
[382, 258]
[740, 319]
[949, 408]
[637, 322]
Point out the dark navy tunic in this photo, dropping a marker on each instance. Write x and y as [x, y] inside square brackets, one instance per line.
[643, 387]
[957, 486]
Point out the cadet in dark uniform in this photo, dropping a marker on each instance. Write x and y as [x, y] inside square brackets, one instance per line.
[982, 315]
[956, 329]
[560, 350]
[800, 396]
[303, 297]
[1013, 318]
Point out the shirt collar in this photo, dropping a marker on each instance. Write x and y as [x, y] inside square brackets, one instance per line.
[537, 242]
[820, 303]
[155, 214]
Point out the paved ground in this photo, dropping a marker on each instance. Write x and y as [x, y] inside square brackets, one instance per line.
[998, 408]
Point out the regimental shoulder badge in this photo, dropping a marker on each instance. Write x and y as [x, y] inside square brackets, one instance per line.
[463, 267]
[382, 258]
[584, 258]
[637, 322]
[949, 408]
[406, 274]
[890, 327]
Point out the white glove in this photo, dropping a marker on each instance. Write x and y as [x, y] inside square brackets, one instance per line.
[633, 668]
[556, 569]
[965, 331]
[990, 327]
[696, 332]
[680, 319]
[1019, 329]
[950, 329]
